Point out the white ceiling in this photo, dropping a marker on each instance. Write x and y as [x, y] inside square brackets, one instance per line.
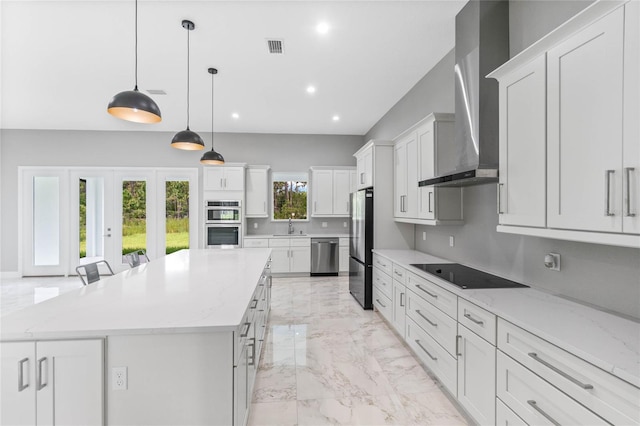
[62, 61]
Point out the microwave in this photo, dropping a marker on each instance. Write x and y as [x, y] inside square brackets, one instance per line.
[223, 211]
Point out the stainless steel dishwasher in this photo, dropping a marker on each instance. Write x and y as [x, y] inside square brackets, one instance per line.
[324, 256]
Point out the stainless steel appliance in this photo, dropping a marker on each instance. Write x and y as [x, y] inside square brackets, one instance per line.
[324, 256]
[361, 244]
[465, 277]
[223, 224]
[482, 45]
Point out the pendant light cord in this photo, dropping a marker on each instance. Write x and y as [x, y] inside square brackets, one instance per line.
[212, 75]
[136, 31]
[188, 31]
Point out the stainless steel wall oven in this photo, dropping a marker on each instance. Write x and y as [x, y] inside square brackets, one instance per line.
[223, 224]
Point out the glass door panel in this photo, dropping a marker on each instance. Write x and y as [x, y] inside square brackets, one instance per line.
[176, 215]
[134, 216]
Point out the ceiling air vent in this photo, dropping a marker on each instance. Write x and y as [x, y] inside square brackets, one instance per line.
[275, 46]
[156, 92]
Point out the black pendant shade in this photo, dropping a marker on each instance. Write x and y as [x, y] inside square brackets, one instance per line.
[132, 105]
[212, 157]
[187, 139]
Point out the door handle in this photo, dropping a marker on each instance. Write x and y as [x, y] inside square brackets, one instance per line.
[21, 384]
[40, 384]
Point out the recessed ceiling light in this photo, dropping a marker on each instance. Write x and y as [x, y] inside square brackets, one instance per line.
[311, 89]
[322, 28]
[336, 118]
[235, 115]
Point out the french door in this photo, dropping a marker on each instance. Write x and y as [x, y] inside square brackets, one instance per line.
[72, 216]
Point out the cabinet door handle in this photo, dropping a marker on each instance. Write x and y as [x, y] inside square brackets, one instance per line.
[40, 384]
[245, 333]
[425, 350]
[362, 177]
[252, 359]
[221, 185]
[607, 192]
[500, 185]
[401, 299]
[433, 324]
[532, 403]
[458, 339]
[560, 372]
[254, 303]
[430, 195]
[381, 304]
[468, 316]
[435, 296]
[627, 201]
[315, 206]
[21, 384]
[398, 273]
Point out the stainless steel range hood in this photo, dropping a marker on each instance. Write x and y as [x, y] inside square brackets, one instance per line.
[482, 45]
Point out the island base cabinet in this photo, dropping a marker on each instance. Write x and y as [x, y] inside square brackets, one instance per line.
[241, 397]
[177, 379]
[52, 382]
[476, 376]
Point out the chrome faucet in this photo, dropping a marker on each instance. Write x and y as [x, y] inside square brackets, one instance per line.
[290, 226]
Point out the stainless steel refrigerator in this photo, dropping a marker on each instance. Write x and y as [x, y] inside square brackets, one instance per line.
[361, 244]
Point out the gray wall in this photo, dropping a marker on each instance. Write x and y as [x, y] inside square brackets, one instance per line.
[607, 277]
[290, 153]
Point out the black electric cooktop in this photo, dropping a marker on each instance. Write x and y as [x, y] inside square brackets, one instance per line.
[465, 277]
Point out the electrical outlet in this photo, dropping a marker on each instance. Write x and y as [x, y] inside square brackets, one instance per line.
[451, 241]
[324, 224]
[344, 224]
[119, 378]
[255, 225]
[424, 235]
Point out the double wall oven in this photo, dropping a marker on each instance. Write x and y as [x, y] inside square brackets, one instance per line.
[223, 224]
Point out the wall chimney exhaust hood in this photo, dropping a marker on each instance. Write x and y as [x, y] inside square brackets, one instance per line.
[482, 45]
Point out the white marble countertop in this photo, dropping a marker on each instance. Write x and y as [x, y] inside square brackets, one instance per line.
[297, 236]
[606, 340]
[187, 291]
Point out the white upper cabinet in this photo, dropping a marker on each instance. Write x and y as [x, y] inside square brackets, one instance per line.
[589, 87]
[585, 91]
[364, 167]
[330, 189]
[414, 160]
[223, 178]
[257, 191]
[522, 185]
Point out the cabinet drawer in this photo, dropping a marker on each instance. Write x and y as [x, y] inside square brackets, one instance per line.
[506, 417]
[256, 243]
[611, 398]
[383, 263]
[478, 320]
[279, 242]
[300, 242]
[432, 355]
[242, 333]
[535, 400]
[435, 322]
[442, 299]
[383, 282]
[399, 274]
[383, 304]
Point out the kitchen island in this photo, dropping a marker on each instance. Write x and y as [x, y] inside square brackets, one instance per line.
[173, 341]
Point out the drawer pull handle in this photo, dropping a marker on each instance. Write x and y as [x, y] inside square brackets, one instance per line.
[532, 403]
[21, 384]
[433, 324]
[245, 333]
[426, 351]
[254, 303]
[381, 304]
[435, 296]
[468, 316]
[560, 372]
[397, 273]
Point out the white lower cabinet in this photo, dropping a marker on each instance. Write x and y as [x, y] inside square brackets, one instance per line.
[290, 255]
[535, 400]
[343, 255]
[382, 303]
[241, 397]
[506, 417]
[476, 376]
[52, 382]
[399, 303]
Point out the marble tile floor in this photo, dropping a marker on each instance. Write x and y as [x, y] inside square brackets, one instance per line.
[326, 361]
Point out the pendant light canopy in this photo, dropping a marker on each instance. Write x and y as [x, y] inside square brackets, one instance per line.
[132, 105]
[186, 139]
[212, 157]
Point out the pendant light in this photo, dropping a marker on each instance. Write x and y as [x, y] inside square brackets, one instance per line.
[212, 157]
[132, 105]
[187, 139]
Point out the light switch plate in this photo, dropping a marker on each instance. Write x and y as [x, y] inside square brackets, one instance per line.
[451, 241]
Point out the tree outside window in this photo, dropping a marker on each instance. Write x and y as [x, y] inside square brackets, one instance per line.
[289, 199]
